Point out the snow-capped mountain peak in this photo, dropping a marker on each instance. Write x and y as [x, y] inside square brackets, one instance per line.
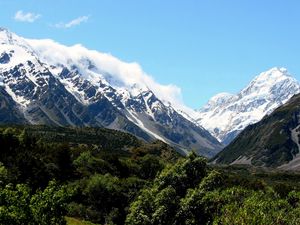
[272, 75]
[225, 115]
[49, 83]
[6, 37]
[10, 38]
[262, 83]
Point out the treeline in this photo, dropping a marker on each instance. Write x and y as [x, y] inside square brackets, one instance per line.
[49, 173]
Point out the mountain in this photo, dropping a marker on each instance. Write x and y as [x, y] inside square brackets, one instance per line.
[272, 142]
[226, 115]
[43, 82]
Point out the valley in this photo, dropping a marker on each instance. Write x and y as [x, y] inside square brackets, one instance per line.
[88, 138]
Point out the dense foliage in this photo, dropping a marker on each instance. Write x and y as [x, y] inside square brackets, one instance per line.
[190, 193]
[97, 171]
[19, 206]
[108, 177]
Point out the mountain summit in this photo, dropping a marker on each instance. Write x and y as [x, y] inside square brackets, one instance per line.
[43, 82]
[226, 115]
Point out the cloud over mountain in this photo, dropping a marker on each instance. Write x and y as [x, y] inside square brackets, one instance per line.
[120, 73]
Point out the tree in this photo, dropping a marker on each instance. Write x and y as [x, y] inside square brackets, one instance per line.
[193, 209]
[14, 205]
[150, 166]
[158, 204]
[48, 207]
[3, 174]
[258, 207]
[19, 206]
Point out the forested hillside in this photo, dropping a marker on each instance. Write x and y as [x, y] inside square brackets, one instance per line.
[71, 175]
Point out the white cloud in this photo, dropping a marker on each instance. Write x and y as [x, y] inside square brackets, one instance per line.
[26, 17]
[72, 23]
[118, 73]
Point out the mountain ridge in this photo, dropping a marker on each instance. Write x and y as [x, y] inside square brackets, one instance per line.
[226, 115]
[78, 92]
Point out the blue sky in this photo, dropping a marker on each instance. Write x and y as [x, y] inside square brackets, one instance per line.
[202, 46]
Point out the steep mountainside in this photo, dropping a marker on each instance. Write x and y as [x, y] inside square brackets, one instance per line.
[272, 142]
[9, 113]
[57, 85]
[226, 115]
